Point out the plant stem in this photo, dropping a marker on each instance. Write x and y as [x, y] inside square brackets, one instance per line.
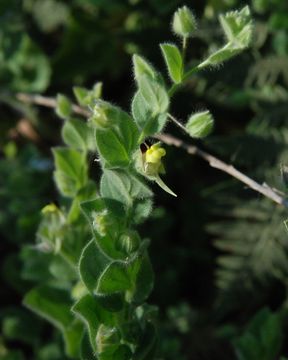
[48, 102]
[177, 122]
[214, 162]
[184, 47]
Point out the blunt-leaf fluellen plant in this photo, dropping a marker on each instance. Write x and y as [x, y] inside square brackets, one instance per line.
[102, 270]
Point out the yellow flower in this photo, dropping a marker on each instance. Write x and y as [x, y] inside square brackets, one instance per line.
[154, 154]
[152, 165]
[152, 160]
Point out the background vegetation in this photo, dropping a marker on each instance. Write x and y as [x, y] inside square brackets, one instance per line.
[220, 250]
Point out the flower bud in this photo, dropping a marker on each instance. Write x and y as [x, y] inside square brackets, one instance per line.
[184, 23]
[200, 124]
[78, 290]
[128, 242]
[101, 222]
[107, 339]
[99, 117]
[105, 115]
[49, 209]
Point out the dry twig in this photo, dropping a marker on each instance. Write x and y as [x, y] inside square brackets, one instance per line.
[213, 161]
[48, 102]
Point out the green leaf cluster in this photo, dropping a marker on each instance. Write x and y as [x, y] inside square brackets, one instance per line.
[100, 266]
[96, 249]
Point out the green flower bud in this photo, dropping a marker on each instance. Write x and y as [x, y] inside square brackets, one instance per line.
[101, 222]
[128, 242]
[107, 339]
[50, 231]
[184, 23]
[104, 114]
[99, 117]
[78, 290]
[200, 124]
[97, 90]
[50, 209]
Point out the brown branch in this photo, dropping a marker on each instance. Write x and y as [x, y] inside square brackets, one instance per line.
[214, 162]
[48, 102]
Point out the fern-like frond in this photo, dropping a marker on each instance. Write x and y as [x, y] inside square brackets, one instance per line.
[252, 243]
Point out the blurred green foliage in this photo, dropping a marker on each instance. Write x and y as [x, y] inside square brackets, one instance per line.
[220, 252]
